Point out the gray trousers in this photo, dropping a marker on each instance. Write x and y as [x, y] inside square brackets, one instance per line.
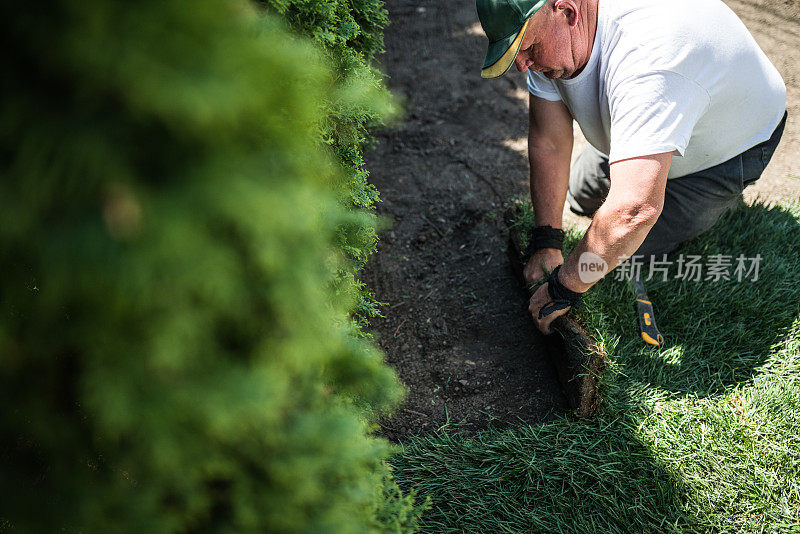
[693, 203]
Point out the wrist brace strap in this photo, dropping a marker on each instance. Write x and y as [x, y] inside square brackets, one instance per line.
[545, 237]
[561, 297]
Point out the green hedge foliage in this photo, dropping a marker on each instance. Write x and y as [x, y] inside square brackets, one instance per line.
[349, 34]
[173, 355]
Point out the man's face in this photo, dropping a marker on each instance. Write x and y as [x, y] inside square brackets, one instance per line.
[547, 46]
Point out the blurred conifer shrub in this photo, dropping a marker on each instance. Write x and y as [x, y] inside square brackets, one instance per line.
[173, 355]
[349, 34]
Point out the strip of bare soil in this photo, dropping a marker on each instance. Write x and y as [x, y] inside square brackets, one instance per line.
[456, 326]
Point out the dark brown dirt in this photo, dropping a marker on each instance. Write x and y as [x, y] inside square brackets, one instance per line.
[776, 28]
[456, 326]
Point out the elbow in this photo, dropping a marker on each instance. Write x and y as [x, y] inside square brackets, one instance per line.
[639, 215]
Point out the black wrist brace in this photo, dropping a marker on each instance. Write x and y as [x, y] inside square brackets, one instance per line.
[545, 237]
[561, 297]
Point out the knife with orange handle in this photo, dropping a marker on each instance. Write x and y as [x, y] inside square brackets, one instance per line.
[647, 319]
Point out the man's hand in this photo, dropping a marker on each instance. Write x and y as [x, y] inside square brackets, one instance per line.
[539, 299]
[549, 257]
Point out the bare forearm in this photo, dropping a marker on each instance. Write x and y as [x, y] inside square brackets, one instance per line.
[549, 180]
[549, 150]
[633, 205]
[622, 223]
[614, 235]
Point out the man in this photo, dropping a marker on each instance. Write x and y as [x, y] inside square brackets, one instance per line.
[680, 107]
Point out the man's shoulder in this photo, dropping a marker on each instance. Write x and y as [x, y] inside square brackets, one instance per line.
[667, 35]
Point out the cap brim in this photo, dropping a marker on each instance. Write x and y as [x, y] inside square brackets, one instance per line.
[499, 67]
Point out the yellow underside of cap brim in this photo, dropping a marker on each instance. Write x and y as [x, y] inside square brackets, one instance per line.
[499, 67]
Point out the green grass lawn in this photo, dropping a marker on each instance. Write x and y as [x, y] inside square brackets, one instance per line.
[700, 435]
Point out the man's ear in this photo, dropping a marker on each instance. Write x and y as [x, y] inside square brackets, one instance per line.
[567, 8]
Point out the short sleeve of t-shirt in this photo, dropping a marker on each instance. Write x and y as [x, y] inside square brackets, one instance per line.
[542, 87]
[654, 113]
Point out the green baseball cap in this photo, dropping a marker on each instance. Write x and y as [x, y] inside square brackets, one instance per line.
[504, 23]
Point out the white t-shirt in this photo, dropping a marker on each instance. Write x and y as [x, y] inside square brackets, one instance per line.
[683, 76]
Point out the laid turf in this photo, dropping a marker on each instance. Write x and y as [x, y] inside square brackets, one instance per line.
[701, 435]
